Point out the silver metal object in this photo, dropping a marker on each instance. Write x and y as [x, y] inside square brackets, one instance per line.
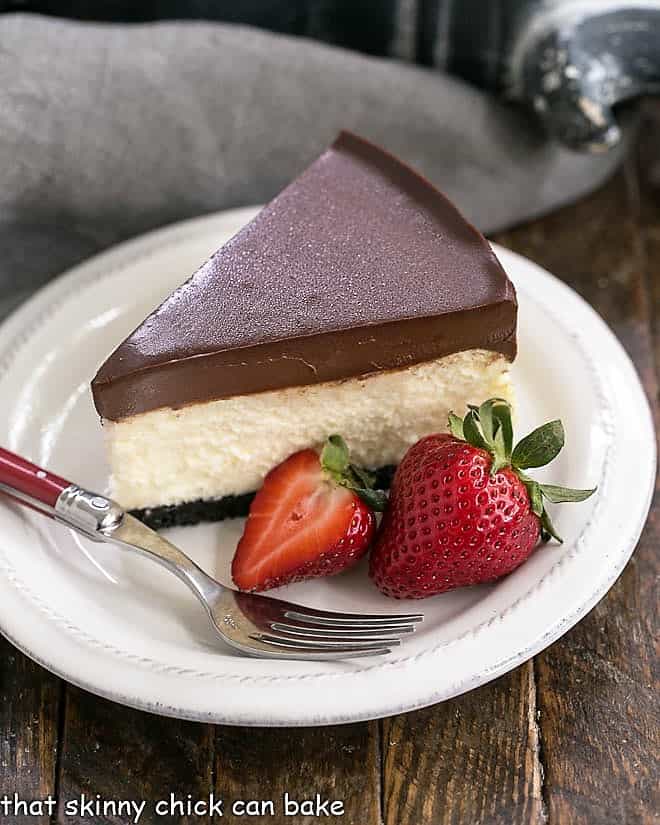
[575, 63]
[89, 513]
[255, 625]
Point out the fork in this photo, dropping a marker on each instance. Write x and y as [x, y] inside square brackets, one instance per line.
[258, 626]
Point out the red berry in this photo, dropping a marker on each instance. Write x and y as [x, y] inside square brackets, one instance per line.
[450, 523]
[301, 525]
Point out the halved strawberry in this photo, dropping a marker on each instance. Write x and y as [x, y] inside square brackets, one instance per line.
[314, 516]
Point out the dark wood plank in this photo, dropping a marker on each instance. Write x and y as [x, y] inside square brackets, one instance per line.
[29, 709]
[597, 686]
[470, 761]
[339, 763]
[594, 246]
[122, 754]
[648, 167]
[598, 703]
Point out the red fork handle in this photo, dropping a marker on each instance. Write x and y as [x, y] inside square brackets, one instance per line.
[21, 476]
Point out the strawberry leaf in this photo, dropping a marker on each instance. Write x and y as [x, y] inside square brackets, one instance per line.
[472, 432]
[500, 458]
[533, 491]
[535, 497]
[366, 479]
[540, 446]
[547, 529]
[376, 499]
[335, 461]
[335, 455]
[557, 494]
[501, 411]
[456, 426]
[487, 422]
[495, 419]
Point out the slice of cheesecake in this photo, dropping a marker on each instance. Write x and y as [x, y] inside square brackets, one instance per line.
[359, 301]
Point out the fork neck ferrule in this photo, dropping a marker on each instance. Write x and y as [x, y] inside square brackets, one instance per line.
[92, 514]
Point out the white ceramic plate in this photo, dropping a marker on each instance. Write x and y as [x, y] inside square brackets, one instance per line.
[123, 628]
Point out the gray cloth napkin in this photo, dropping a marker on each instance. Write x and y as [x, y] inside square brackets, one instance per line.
[108, 131]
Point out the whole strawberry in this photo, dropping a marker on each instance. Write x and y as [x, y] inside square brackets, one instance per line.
[461, 509]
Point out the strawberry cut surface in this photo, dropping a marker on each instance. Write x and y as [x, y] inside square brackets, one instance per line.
[301, 525]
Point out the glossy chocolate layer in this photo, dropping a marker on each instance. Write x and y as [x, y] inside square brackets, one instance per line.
[359, 265]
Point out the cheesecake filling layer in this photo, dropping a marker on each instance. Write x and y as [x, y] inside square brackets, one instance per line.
[224, 448]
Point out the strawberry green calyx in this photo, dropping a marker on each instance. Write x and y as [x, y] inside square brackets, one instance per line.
[335, 462]
[489, 428]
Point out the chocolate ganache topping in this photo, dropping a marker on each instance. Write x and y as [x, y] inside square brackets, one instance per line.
[359, 265]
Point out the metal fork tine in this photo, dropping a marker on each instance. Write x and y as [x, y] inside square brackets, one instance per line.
[273, 628]
[318, 655]
[305, 645]
[340, 614]
[322, 617]
[279, 651]
[335, 639]
[330, 632]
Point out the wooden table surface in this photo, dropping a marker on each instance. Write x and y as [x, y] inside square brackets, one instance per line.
[570, 738]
